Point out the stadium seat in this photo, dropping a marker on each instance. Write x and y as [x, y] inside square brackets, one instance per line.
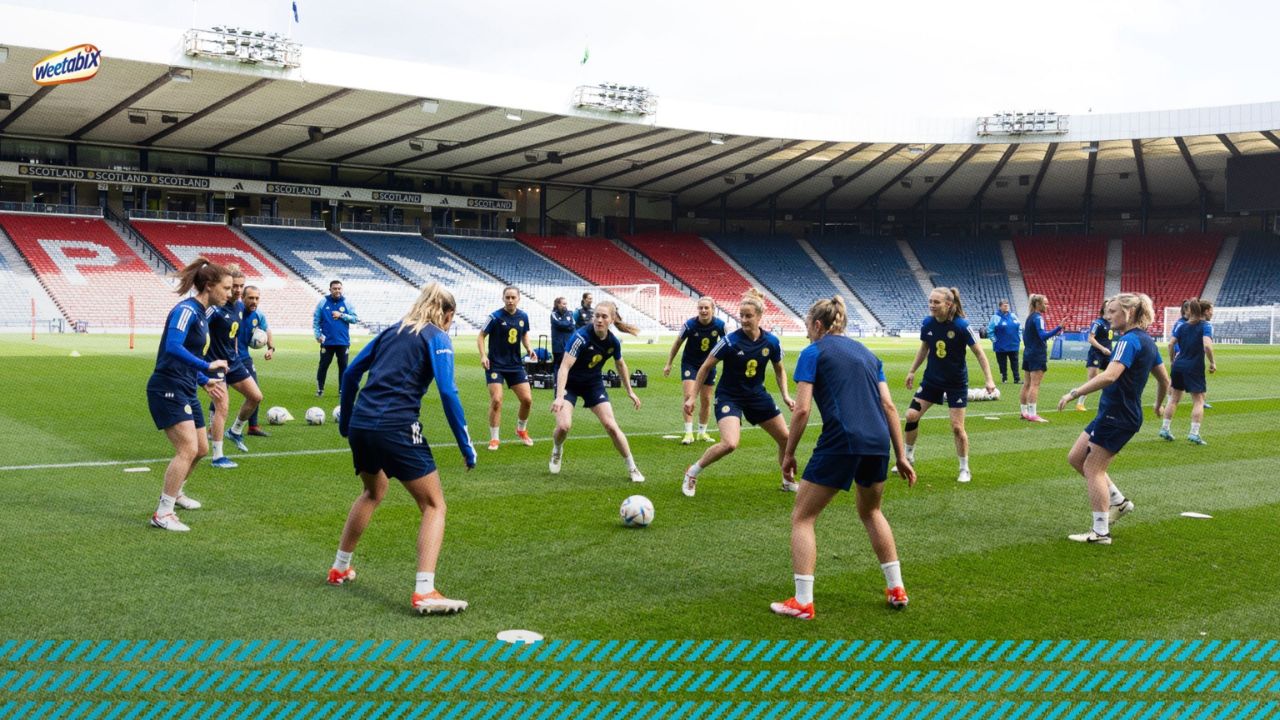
[287, 302]
[90, 271]
[693, 262]
[973, 266]
[538, 278]
[378, 297]
[1254, 275]
[1169, 268]
[1070, 271]
[873, 267]
[18, 287]
[782, 266]
[604, 263]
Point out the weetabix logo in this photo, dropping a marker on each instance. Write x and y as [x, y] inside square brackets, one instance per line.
[75, 64]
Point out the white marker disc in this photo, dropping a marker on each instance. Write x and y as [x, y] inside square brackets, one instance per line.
[519, 636]
[1198, 516]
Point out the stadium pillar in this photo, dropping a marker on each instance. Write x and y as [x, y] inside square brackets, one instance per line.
[674, 209]
[631, 213]
[542, 209]
[1204, 209]
[1088, 213]
[1031, 216]
[977, 217]
[773, 214]
[875, 215]
[724, 213]
[586, 198]
[1144, 213]
[822, 216]
[924, 217]
[71, 194]
[208, 203]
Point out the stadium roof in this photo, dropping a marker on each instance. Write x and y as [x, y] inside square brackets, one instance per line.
[361, 111]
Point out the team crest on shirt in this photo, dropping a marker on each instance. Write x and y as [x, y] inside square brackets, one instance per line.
[255, 322]
[521, 323]
[951, 334]
[714, 333]
[186, 409]
[765, 352]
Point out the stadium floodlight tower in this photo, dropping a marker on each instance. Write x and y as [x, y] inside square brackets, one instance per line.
[244, 46]
[616, 98]
[1036, 122]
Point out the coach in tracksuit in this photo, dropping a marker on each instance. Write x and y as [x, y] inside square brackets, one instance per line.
[562, 327]
[331, 327]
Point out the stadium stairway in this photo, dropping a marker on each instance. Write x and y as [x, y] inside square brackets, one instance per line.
[1218, 273]
[379, 297]
[859, 316]
[1013, 273]
[876, 271]
[89, 271]
[287, 302]
[19, 285]
[780, 265]
[538, 278]
[697, 263]
[974, 266]
[1169, 268]
[917, 268]
[601, 262]
[1253, 278]
[1070, 271]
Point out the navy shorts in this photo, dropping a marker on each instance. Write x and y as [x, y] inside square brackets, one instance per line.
[238, 373]
[1098, 360]
[248, 365]
[689, 372]
[1035, 363]
[841, 471]
[591, 391]
[168, 408]
[1108, 436]
[757, 408]
[1188, 380]
[401, 453]
[512, 377]
[956, 397]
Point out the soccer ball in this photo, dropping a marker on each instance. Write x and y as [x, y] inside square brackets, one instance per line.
[278, 416]
[636, 511]
[337, 413]
[315, 416]
[258, 339]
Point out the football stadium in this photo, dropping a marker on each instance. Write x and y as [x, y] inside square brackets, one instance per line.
[265, 304]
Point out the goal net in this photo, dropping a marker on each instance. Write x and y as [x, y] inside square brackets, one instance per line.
[642, 299]
[1257, 325]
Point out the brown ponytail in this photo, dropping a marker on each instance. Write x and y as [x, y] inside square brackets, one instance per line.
[199, 275]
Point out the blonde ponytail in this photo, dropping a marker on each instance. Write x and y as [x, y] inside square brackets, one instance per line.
[831, 313]
[433, 303]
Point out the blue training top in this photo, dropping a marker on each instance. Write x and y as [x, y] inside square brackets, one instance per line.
[947, 343]
[224, 327]
[588, 353]
[179, 360]
[248, 323]
[1034, 335]
[1004, 332]
[1190, 338]
[846, 379]
[327, 329]
[1177, 325]
[1121, 401]
[505, 331]
[401, 366]
[562, 328]
[699, 339]
[744, 362]
[1101, 331]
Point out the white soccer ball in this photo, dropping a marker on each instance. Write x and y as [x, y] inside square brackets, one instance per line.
[337, 413]
[278, 416]
[636, 511]
[258, 339]
[315, 416]
[979, 394]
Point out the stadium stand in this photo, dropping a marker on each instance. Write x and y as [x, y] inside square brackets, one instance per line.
[537, 277]
[18, 287]
[694, 263]
[89, 271]
[874, 268]
[1169, 268]
[288, 302]
[604, 263]
[971, 265]
[1254, 275]
[782, 266]
[477, 293]
[1070, 271]
[378, 297]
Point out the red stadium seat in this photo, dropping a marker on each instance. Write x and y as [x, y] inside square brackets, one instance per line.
[1071, 271]
[1169, 268]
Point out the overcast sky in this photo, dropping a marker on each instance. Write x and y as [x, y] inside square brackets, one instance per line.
[924, 58]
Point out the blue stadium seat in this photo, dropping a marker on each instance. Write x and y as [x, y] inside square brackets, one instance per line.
[1254, 275]
[783, 267]
[974, 266]
[875, 270]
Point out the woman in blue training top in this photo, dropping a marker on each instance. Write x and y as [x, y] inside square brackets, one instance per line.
[171, 390]
[381, 424]
[1134, 358]
[859, 424]
[1099, 348]
[1193, 341]
[1005, 334]
[701, 333]
[1035, 356]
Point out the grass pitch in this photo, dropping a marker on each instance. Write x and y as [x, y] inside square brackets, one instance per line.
[988, 560]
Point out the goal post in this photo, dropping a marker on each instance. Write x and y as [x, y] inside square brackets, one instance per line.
[1256, 325]
[644, 298]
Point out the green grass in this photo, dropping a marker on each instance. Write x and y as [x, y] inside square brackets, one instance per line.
[529, 550]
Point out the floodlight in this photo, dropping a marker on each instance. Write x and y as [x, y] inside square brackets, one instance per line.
[4, 53]
[137, 117]
[531, 157]
[430, 106]
[5, 102]
[514, 115]
[182, 75]
[717, 139]
[168, 119]
[416, 145]
[315, 134]
[554, 158]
